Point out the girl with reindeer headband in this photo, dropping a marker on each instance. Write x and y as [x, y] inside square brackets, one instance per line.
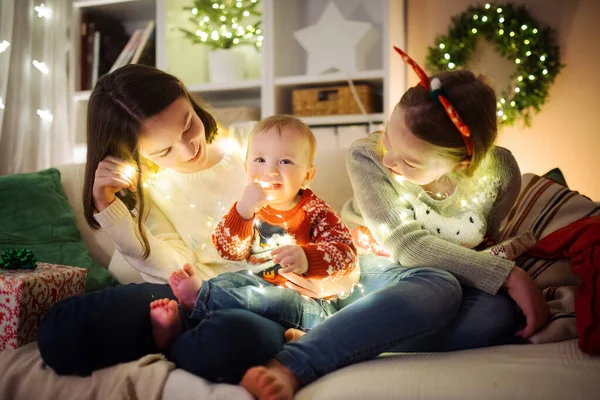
[428, 190]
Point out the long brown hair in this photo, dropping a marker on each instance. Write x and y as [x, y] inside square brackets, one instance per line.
[118, 106]
[475, 102]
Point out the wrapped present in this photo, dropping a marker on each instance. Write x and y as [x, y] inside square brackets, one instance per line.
[27, 294]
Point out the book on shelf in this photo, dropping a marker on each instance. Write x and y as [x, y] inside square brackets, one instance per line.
[102, 39]
[105, 46]
[143, 42]
[135, 48]
[127, 52]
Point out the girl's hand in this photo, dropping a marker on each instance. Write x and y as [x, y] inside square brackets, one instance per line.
[320, 288]
[253, 199]
[292, 258]
[529, 298]
[112, 175]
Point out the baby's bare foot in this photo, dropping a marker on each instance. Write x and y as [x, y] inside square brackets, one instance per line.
[166, 325]
[186, 284]
[291, 335]
[271, 382]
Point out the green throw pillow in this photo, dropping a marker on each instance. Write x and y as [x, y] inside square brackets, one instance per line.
[36, 215]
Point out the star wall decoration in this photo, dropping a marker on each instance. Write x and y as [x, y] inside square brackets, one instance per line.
[335, 43]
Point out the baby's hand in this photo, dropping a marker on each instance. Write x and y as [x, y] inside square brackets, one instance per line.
[291, 258]
[253, 199]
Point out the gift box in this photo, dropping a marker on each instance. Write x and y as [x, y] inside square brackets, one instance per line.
[27, 294]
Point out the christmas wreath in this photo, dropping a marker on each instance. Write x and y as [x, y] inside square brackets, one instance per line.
[515, 35]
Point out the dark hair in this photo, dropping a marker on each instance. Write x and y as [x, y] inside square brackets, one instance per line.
[475, 102]
[118, 105]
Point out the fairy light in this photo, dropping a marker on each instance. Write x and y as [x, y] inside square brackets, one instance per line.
[41, 66]
[45, 115]
[129, 171]
[43, 11]
[442, 46]
[451, 65]
[227, 31]
[3, 46]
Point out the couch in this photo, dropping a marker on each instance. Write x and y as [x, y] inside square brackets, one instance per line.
[538, 371]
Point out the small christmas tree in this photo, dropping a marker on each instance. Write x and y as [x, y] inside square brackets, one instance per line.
[220, 23]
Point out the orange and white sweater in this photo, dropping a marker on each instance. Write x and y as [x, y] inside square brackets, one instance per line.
[311, 224]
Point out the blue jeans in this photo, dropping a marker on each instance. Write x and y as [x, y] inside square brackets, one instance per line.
[402, 309]
[247, 291]
[99, 329]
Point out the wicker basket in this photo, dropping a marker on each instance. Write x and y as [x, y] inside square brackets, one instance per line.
[333, 100]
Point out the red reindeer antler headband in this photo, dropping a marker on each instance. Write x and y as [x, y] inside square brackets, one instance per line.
[435, 89]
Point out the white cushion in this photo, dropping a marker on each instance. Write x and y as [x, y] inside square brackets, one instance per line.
[557, 371]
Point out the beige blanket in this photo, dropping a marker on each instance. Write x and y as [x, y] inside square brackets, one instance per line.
[23, 376]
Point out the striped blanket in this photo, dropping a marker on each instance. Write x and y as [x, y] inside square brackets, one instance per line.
[542, 207]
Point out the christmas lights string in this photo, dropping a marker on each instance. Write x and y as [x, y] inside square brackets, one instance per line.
[43, 12]
[130, 171]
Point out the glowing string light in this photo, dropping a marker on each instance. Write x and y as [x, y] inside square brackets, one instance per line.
[45, 115]
[41, 66]
[43, 11]
[3, 46]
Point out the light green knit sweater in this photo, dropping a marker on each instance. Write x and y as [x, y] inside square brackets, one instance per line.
[420, 231]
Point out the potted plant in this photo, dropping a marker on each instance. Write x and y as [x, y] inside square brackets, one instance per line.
[224, 25]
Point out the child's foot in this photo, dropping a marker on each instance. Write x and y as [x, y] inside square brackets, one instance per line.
[186, 284]
[271, 382]
[291, 335]
[166, 325]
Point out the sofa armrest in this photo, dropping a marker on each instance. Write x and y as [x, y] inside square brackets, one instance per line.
[99, 245]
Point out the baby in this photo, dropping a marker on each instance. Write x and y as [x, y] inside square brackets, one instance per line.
[278, 226]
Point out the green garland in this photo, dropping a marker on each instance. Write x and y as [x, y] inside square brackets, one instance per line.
[515, 35]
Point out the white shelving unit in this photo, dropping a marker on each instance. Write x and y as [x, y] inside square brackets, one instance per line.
[281, 64]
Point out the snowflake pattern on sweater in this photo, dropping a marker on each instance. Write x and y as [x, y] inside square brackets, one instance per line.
[311, 224]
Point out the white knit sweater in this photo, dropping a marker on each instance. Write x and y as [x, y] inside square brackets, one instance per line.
[421, 231]
[184, 208]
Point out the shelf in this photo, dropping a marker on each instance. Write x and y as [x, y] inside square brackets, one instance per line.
[124, 10]
[83, 95]
[239, 87]
[336, 77]
[96, 3]
[343, 119]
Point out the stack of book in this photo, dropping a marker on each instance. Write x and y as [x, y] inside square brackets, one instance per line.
[105, 46]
